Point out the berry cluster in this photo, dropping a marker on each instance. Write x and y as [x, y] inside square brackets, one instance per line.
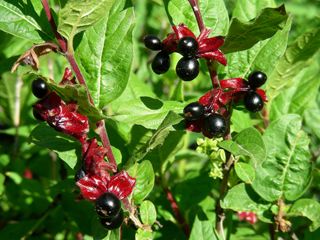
[183, 41]
[94, 178]
[211, 114]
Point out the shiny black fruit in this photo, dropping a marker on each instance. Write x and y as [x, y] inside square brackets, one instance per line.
[253, 102]
[187, 68]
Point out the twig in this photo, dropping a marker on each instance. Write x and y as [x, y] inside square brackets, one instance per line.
[70, 57]
[196, 10]
[176, 211]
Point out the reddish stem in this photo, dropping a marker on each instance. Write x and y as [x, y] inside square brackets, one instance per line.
[70, 57]
[196, 10]
[61, 40]
[176, 211]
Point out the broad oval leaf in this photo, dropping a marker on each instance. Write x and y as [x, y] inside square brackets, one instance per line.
[144, 175]
[105, 55]
[243, 35]
[76, 16]
[286, 172]
[148, 213]
[215, 15]
[14, 21]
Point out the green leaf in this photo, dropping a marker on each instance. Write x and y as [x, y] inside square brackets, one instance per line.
[202, 230]
[145, 111]
[64, 146]
[247, 143]
[245, 172]
[15, 177]
[148, 213]
[286, 172]
[105, 54]
[312, 118]
[308, 208]
[250, 201]
[263, 56]
[300, 96]
[143, 235]
[159, 136]
[144, 175]
[243, 35]
[215, 15]
[76, 16]
[295, 59]
[18, 22]
[245, 10]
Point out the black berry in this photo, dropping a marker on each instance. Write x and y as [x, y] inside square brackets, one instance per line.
[37, 115]
[39, 88]
[108, 205]
[161, 63]
[152, 42]
[257, 79]
[215, 125]
[188, 46]
[114, 222]
[253, 102]
[193, 111]
[187, 68]
[79, 174]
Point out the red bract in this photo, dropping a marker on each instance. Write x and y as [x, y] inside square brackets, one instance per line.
[94, 162]
[121, 184]
[208, 47]
[68, 78]
[92, 187]
[63, 117]
[250, 217]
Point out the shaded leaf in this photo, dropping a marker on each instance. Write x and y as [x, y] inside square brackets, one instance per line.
[243, 36]
[64, 146]
[308, 208]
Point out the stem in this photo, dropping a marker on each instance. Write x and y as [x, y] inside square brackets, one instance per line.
[176, 211]
[61, 40]
[196, 10]
[16, 117]
[68, 51]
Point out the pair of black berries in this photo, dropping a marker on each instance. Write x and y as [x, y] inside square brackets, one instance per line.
[252, 100]
[187, 67]
[108, 207]
[39, 89]
[214, 123]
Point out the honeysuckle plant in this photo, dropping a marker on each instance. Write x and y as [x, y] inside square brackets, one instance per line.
[180, 119]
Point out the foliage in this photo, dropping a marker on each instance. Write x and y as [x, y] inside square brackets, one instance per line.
[182, 179]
